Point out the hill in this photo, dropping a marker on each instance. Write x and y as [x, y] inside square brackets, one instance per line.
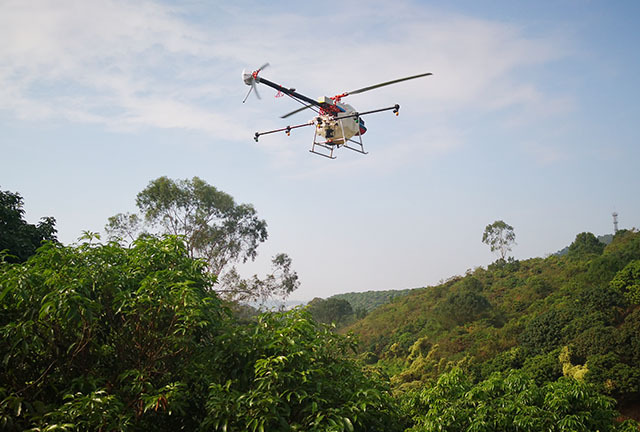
[605, 239]
[370, 300]
[576, 315]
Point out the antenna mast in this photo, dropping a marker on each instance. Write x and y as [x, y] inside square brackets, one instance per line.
[615, 222]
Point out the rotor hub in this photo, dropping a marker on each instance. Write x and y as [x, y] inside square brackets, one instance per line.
[248, 77]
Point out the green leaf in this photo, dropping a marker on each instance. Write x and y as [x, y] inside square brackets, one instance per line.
[44, 310]
[348, 423]
[4, 292]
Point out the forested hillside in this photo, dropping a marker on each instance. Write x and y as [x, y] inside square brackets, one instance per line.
[370, 300]
[344, 309]
[105, 337]
[576, 315]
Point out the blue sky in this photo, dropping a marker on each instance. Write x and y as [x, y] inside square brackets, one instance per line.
[530, 117]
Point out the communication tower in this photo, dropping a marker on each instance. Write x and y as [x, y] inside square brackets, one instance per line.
[615, 222]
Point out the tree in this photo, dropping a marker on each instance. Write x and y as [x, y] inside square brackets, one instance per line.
[624, 248]
[17, 237]
[282, 281]
[124, 227]
[627, 282]
[500, 237]
[298, 375]
[463, 306]
[100, 337]
[545, 332]
[214, 228]
[585, 245]
[331, 310]
[512, 402]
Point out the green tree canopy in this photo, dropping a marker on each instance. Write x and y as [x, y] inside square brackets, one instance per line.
[100, 337]
[297, 375]
[281, 282]
[331, 310]
[512, 402]
[463, 306]
[586, 244]
[627, 282]
[214, 228]
[500, 237]
[17, 237]
[103, 338]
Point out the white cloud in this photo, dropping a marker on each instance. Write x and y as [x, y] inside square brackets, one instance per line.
[108, 62]
[145, 64]
[478, 68]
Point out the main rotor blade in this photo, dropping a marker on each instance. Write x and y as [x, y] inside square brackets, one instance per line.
[296, 111]
[364, 89]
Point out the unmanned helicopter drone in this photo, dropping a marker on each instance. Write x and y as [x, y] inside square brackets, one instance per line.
[337, 124]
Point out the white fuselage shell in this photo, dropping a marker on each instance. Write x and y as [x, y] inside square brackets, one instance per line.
[337, 130]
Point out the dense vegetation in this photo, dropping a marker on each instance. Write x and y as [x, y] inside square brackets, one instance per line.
[109, 337]
[331, 311]
[370, 300]
[101, 337]
[18, 238]
[576, 315]
[341, 310]
[214, 229]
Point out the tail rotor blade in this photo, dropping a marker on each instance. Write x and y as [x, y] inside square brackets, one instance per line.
[255, 89]
[364, 89]
[263, 67]
[247, 96]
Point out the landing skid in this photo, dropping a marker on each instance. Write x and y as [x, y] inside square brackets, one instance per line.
[358, 143]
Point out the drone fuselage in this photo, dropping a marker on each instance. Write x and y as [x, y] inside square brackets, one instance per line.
[338, 127]
[338, 124]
